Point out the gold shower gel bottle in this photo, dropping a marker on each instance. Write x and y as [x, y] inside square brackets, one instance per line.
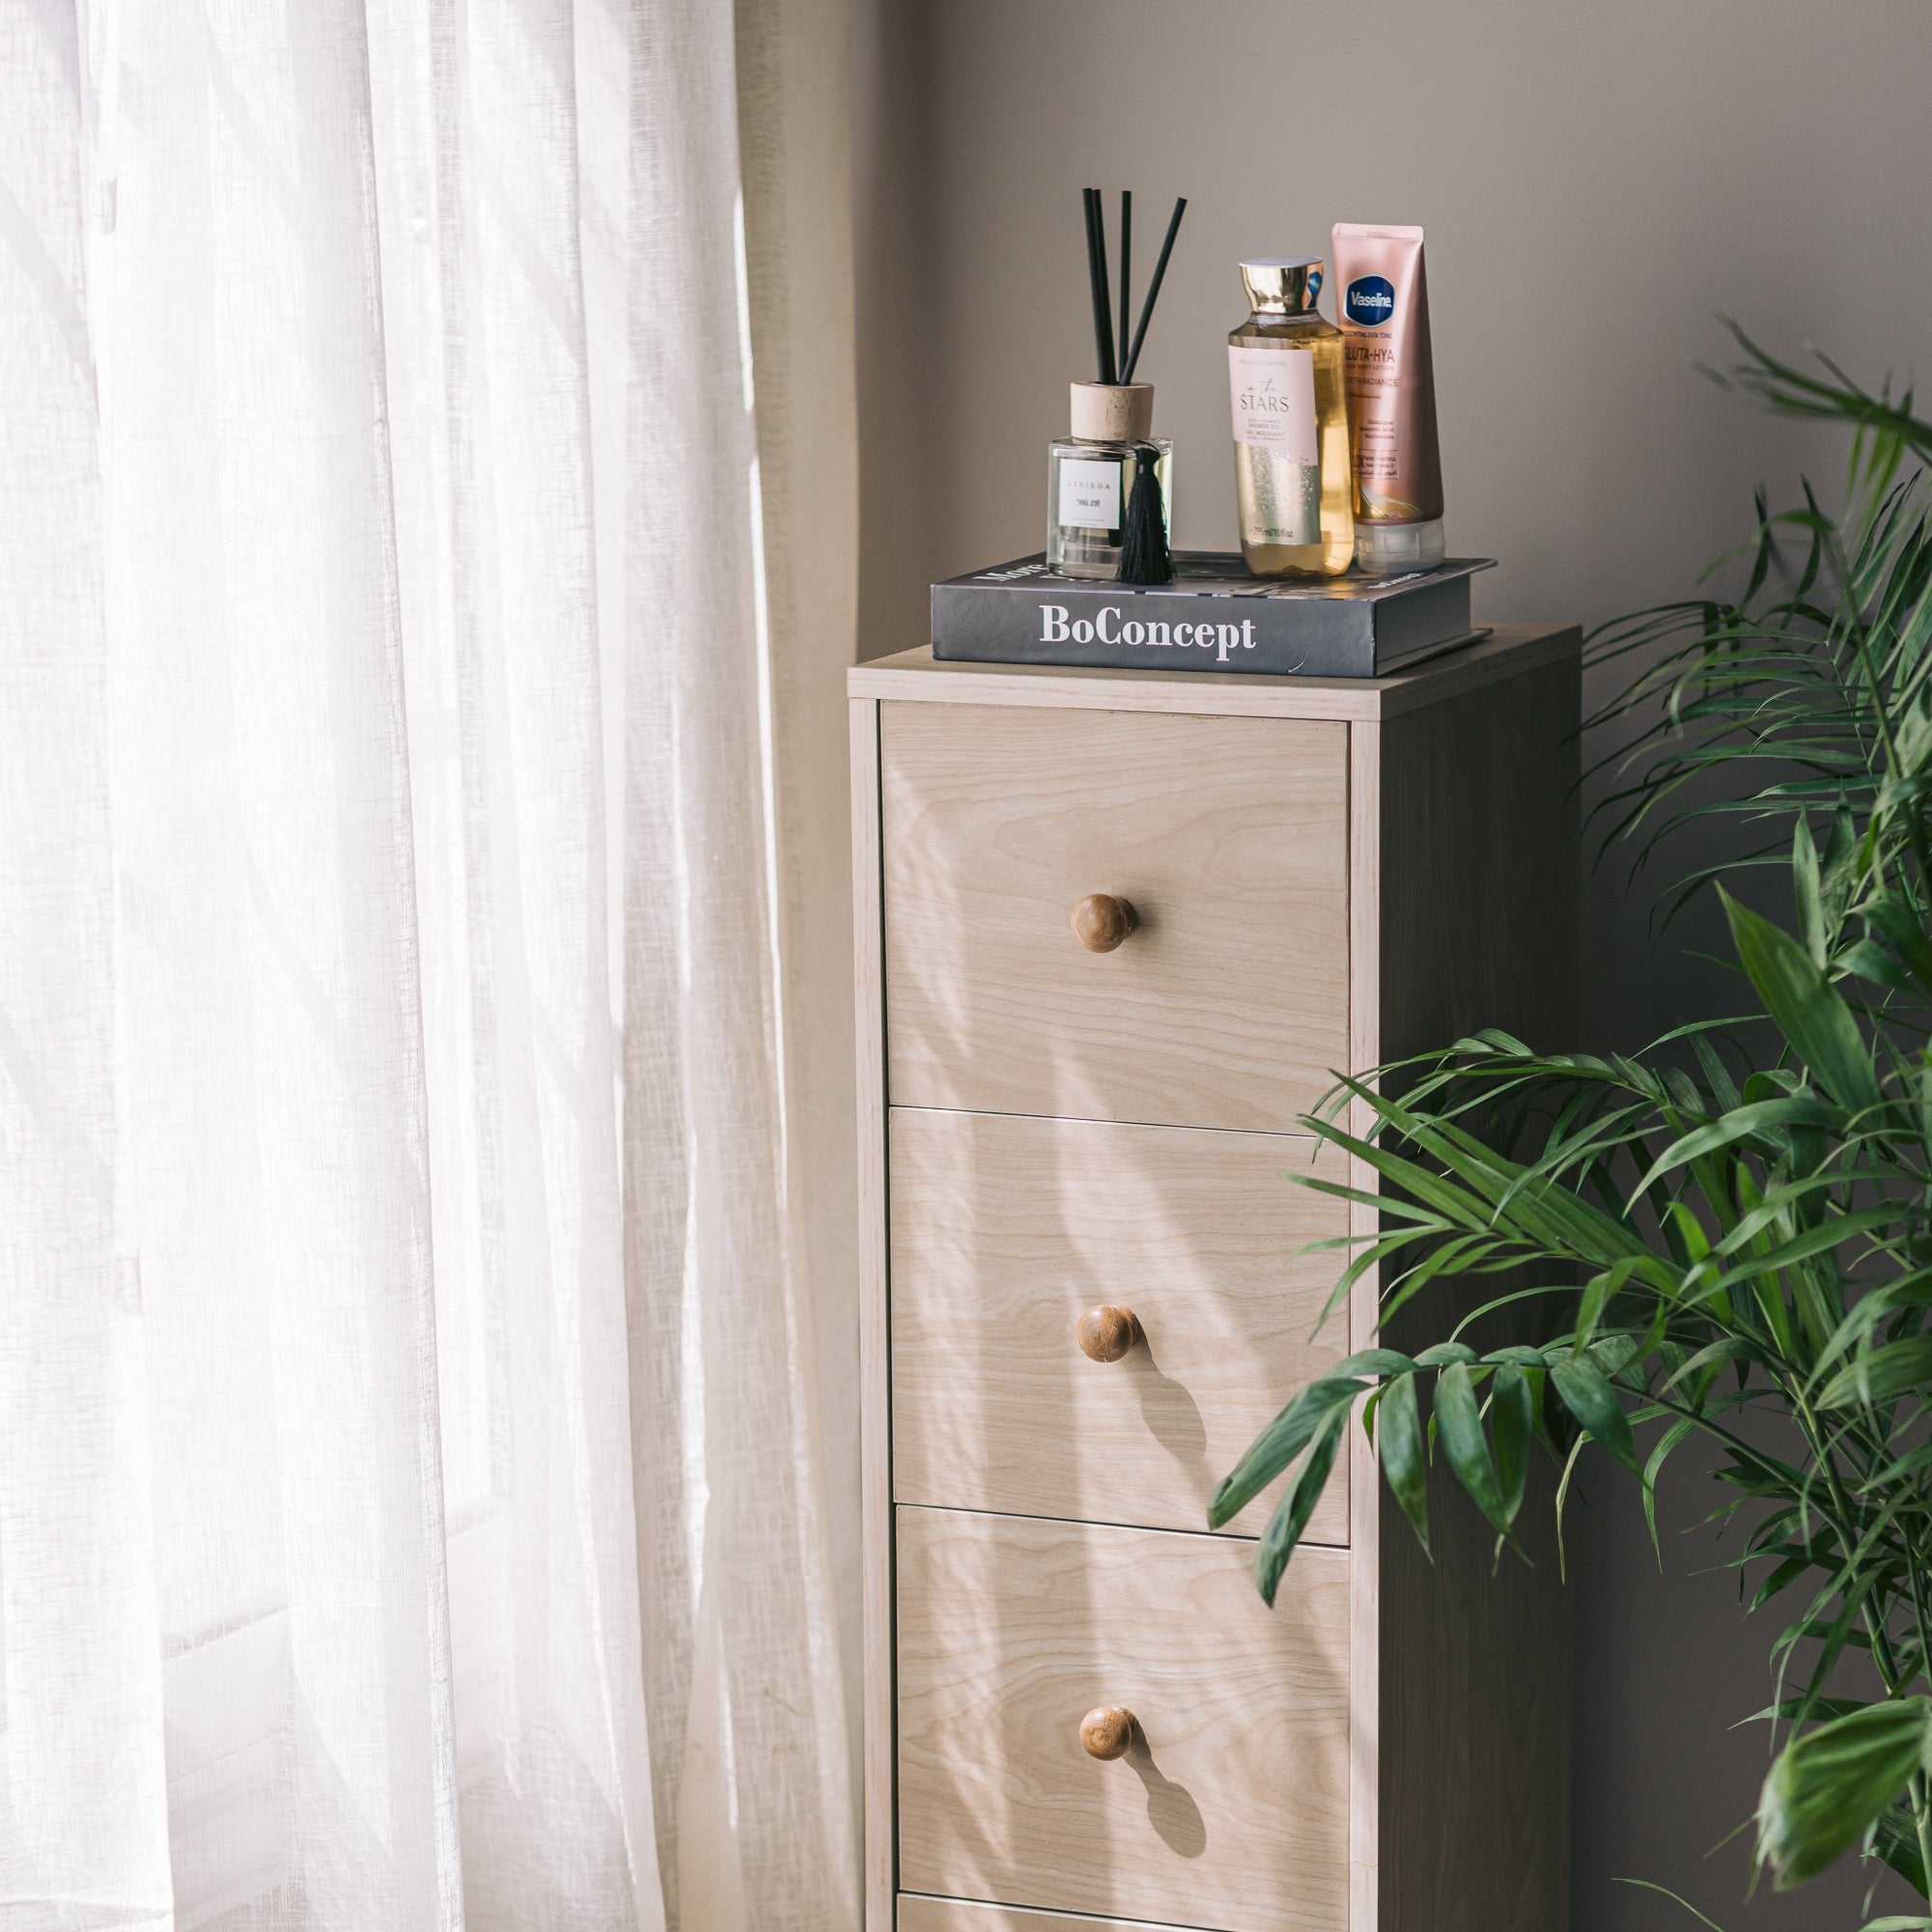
[1291, 427]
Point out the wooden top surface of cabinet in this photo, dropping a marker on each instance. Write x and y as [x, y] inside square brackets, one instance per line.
[1115, 933]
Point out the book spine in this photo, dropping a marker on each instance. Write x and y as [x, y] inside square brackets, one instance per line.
[1021, 624]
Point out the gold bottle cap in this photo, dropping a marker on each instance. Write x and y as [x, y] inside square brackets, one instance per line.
[1286, 285]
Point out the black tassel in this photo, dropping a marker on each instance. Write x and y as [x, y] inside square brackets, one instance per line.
[1143, 536]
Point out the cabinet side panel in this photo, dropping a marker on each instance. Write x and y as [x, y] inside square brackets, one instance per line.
[1480, 860]
[1364, 1485]
[881, 1873]
[1479, 877]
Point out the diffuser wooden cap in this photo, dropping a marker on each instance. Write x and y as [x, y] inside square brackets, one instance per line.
[1112, 412]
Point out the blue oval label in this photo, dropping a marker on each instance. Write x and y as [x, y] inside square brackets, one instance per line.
[1370, 299]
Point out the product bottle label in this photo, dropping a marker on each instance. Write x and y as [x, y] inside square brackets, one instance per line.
[1382, 411]
[1089, 494]
[1277, 452]
[1273, 395]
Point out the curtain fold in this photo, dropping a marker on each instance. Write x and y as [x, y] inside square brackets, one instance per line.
[741, 1651]
[414, 1507]
[795, 157]
[83, 1802]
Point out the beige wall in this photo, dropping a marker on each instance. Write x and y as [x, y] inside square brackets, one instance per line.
[1596, 181]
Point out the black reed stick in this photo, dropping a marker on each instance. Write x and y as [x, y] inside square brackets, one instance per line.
[1126, 250]
[1152, 290]
[1102, 300]
[1103, 346]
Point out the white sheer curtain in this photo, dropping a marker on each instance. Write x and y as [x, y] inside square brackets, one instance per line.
[414, 1437]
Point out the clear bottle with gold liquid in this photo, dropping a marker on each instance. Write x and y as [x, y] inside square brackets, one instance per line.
[1291, 425]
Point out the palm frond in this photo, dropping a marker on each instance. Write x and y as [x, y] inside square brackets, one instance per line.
[1714, 1246]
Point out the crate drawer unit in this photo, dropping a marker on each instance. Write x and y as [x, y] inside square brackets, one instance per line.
[1092, 1321]
[1227, 1004]
[1117, 932]
[1014, 1630]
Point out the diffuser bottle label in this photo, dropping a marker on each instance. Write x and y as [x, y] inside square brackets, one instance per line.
[1090, 494]
[1273, 395]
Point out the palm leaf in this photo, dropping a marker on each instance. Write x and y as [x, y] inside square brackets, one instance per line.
[1702, 1240]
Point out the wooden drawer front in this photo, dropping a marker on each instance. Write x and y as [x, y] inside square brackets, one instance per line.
[1226, 1007]
[1230, 1810]
[958, 1914]
[1006, 1229]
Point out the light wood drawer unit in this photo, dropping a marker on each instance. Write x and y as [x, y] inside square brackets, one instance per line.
[1321, 875]
[1228, 1006]
[1230, 1808]
[1006, 1230]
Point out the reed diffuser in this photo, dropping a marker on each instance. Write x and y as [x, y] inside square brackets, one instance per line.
[1110, 481]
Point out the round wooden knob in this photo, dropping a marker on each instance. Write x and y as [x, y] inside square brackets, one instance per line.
[1107, 1732]
[1101, 921]
[1106, 1333]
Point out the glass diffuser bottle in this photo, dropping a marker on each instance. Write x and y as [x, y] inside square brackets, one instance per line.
[1293, 481]
[1110, 481]
[1090, 475]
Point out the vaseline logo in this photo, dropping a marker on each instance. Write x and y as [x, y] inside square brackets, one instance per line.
[1370, 299]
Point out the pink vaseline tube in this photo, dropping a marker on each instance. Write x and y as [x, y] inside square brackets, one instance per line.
[1382, 302]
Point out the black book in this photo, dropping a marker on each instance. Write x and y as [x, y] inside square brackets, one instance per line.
[1213, 617]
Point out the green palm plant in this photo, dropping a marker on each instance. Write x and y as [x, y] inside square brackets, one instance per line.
[1729, 1236]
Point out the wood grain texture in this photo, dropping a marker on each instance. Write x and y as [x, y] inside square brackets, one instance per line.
[918, 1914]
[879, 1875]
[1006, 1230]
[1227, 1007]
[1479, 861]
[918, 677]
[1231, 1811]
